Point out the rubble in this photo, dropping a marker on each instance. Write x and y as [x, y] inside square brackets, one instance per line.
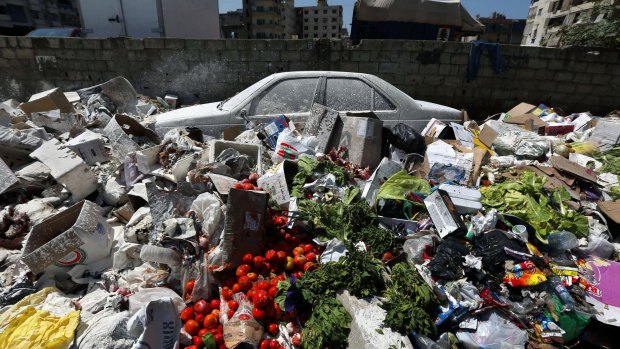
[342, 233]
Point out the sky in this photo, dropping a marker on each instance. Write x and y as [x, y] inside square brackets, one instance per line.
[511, 8]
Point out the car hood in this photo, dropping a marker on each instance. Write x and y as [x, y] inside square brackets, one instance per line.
[190, 116]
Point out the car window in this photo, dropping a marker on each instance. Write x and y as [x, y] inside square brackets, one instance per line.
[286, 97]
[382, 103]
[345, 94]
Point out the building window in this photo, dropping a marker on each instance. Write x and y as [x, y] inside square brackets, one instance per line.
[16, 13]
[334, 11]
[305, 35]
[324, 20]
[305, 12]
[334, 19]
[316, 27]
[324, 12]
[333, 35]
[333, 27]
[260, 21]
[540, 11]
[316, 20]
[305, 27]
[324, 27]
[35, 14]
[324, 35]
[316, 35]
[306, 20]
[316, 12]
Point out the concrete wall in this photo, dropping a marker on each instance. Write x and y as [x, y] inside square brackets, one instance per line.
[210, 70]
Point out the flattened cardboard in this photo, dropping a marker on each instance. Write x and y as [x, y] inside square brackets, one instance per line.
[568, 166]
[362, 136]
[222, 184]
[520, 109]
[529, 122]
[77, 235]
[48, 100]
[118, 131]
[488, 135]
[611, 209]
[277, 183]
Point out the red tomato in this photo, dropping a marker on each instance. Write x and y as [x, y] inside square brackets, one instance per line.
[244, 317]
[250, 293]
[263, 285]
[248, 258]
[271, 256]
[246, 267]
[211, 321]
[260, 299]
[272, 291]
[227, 293]
[219, 338]
[248, 186]
[233, 305]
[202, 332]
[187, 314]
[308, 248]
[387, 256]
[199, 317]
[252, 276]
[222, 346]
[189, 286]
[264, 344]
[299, 261]
[311, 256]
[296, 339]
[281, 277]
[230, 313]
[238, 186]
[309, 266]
[258, 314]
[273, 329]
[244, 283]
[253, 178]
[259, 262]
[274, 344]
[273, 282]
[236, 288]
[202, 307]
[240, 272]
[192, 347]
[214, 304]
[197, 341]
[281, 256]
[298, 250]
[192, 327]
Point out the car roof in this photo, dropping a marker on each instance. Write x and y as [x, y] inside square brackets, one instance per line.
[320, 73]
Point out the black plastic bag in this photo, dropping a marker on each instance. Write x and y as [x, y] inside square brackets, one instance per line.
[490, 246]
[407, 139]
[448, 261]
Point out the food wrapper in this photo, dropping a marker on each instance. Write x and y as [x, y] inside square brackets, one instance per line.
[524, 274]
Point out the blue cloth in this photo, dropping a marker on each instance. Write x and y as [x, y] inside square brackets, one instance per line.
[475, 55]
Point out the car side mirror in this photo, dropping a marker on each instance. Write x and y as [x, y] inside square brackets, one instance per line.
[244, 114]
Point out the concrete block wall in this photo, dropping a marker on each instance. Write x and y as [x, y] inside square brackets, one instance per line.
[576, 79]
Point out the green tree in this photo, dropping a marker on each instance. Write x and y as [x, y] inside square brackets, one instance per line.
[600, 28]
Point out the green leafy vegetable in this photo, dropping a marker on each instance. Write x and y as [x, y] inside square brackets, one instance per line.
[411, 304]
[280, 297]
[526, 199]
[310, 167]
[328, 326]
[610, 159]
[377, 240]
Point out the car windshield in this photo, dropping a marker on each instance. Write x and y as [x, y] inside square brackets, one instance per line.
[60, 32]
[235, 100]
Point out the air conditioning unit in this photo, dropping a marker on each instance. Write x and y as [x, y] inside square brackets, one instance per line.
[443, 34]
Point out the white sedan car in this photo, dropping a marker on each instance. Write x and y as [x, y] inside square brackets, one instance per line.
[293, 94]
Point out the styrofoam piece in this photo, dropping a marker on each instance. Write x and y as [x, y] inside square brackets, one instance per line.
[67, 168]
[466, 206]
[90, 147]
[443, 213]
[457, 191]
[255, 151]
[156, 254]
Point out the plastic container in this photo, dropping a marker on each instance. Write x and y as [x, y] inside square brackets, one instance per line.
[558, 287]
[562, 241]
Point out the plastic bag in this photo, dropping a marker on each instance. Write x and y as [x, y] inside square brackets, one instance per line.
[29, 323]
[240, 165]
[572, 322]
[208, 208]
[494, 332]
[242, 327]
[448, 261]
[490, 246]
[401, 183]
[407, 138]
[290, 147]
[417, 248]
[481, 224]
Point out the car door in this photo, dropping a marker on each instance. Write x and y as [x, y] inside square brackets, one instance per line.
[351, 94]
[292, 97]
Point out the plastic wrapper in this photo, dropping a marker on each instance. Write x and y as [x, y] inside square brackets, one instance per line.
[508, 161]
[525, 274]
[290, 147]
[512, 140]
[494, 332]
[490, 246]
[240, 165]
[203, 279]
[208, 208]
[481, 224]
[441, 173]
[562, 241]
[448, 261]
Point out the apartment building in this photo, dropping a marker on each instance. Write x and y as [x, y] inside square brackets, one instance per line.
[232, 24]
[321, 21]
[18, 17]
[269, 19]
[546, 18]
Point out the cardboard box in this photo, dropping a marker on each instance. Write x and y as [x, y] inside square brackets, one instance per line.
[324, 125]
[48, 100]
[520, 109]
[67, 168]
[557, 129]
[7, 177]
[273, 130]
[362, 136]
[276, 183]
[611, 209]
[57, 120]
[90, 147]
[529, 122]
[77, 235]
[488, 135]
[443, 213]
[243, 227]
[434, 128]
[118, 131]
[252, 150]
[565, 165]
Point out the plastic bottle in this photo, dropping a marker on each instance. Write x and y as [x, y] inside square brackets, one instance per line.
[562, 241]
[560, 289]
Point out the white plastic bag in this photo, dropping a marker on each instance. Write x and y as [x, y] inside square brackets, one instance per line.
[494, 332]
[208, 208]
[290, 147]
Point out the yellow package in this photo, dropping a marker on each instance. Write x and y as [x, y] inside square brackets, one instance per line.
[27, 324]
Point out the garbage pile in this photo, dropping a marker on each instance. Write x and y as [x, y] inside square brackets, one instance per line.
[343, 232]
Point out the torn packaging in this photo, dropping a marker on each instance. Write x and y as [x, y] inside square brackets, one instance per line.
[243, 228]
[121, 130]
[77, 235]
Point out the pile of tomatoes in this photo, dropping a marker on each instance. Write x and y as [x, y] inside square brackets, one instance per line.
[249, 183]
[288, 253]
